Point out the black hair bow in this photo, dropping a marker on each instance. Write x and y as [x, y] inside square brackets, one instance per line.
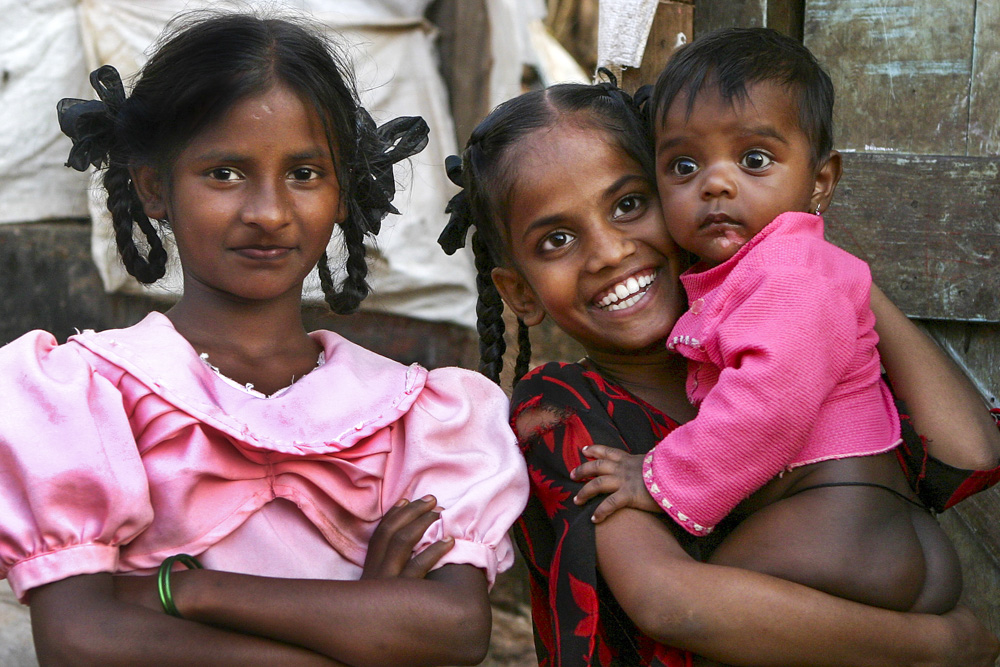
[91, 123]
[453, 235]
[388, 144]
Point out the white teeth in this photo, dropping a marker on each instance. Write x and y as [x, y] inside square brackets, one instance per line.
[626, 293]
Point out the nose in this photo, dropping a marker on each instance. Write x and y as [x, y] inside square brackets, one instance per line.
[610, 245]
[266, 206]
[718, 181]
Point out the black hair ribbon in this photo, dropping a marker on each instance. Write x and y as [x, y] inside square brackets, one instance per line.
[91, 123]
[394, 141]
[453, 235]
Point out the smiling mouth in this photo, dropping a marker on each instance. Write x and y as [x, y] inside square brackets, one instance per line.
[626, 293]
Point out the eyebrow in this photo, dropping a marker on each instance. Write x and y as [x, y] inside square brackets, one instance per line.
[607, 192]
[757, 131]
[226, 156]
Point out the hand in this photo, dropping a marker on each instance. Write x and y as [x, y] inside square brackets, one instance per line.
[616, 473]
[390, 551]
[974, 645]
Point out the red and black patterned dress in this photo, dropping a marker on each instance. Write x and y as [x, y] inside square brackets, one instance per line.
[577, 620]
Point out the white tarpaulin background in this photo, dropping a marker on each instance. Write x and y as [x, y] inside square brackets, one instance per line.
[48, 48]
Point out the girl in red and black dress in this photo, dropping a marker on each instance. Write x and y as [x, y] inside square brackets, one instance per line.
[560, 187]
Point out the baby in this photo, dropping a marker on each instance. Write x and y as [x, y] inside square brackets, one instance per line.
[779, 339]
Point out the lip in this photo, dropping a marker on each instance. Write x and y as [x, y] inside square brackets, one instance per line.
[626, 292]
[263, 253]
[716, 219]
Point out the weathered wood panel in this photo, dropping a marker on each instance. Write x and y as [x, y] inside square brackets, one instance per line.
[901, 69]
[972, 525]
[673, 25]
[782, 15]
[465, 60]
[984, 101]
[929, 228]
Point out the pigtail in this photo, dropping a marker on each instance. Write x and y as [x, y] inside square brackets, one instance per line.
[523, 363]
[93, 127]
[126, 210]
[370, 188]
[354, 289]
[489, 313]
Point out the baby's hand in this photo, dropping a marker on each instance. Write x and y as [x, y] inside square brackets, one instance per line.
[616, 473]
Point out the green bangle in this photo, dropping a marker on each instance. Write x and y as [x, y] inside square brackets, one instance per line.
[163, 580]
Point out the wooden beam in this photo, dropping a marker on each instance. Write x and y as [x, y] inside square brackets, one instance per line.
[928, 226]
[466, 60]
[782, 15]
[673, 25]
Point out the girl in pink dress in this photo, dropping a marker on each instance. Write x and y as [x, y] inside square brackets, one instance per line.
[333, 506]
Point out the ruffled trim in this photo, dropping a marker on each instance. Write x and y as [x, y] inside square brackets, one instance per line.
[365, 391]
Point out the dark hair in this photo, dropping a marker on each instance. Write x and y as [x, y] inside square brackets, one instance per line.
[204, 66]
[734, 58]
[487, 172]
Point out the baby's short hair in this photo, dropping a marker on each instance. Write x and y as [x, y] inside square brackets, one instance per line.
[732, 59]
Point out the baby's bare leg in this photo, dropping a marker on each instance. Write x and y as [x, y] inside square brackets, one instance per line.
[857, 542]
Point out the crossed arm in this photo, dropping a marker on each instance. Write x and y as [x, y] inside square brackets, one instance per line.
[395, 615]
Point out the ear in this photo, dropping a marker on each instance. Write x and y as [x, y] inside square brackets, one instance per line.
[149, 185]
[518, 295]
[827, 177]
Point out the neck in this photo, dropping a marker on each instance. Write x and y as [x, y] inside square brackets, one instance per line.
[657, 378]
[221, 326]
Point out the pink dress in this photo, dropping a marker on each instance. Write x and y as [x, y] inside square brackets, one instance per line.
[123, 447]
[782, 365]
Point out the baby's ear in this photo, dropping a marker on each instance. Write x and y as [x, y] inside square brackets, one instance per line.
[150, 189]
[518, 295]
[827, 176]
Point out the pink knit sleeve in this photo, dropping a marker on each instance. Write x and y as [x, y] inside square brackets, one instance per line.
[73, 484]
[458, 446]
[782, 344]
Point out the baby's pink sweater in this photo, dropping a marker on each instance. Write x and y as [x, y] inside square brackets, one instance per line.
[782, 366]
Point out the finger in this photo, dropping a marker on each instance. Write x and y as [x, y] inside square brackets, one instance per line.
[400, 514]
[609, 506]
[603, 452]
[423, 562]
[586, 470]
[393, 540]
[596, 487]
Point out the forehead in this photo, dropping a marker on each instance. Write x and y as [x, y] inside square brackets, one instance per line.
[766, 102]
[277, 118]
[556, 166]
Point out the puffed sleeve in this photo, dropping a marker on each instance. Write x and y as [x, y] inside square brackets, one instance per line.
[73, 485]
[457, 446]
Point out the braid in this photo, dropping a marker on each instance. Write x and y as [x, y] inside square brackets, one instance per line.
[126, 210]
[489, 313]
[355, 287]
[523, 362]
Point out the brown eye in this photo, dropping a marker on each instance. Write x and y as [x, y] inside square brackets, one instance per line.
[628, 204]
[683, 166]
[305, 174]
[224, 174]
[556, 240]
[756, 160]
